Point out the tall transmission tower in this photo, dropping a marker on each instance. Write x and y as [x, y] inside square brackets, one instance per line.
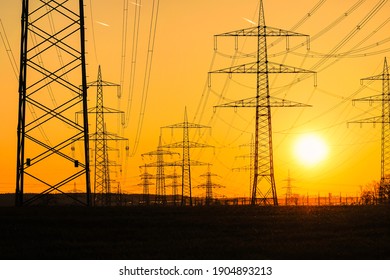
[263, 188]
[186, 145]
[102, 182]
[160, 173]
[384, 119]
[49, 97]
[209, 186]
[145, 183]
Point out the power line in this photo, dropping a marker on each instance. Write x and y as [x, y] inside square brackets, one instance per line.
[148, 71]
[134, 55]
[93, 32]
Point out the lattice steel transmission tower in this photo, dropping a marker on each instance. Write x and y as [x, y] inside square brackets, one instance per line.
[102, 182]
[289, 199]
[161, 197]
[145, 183]
[174, 185]
[384, 119]
[186, 145]
[249, 167]
[263, 188]
[209, 186]
[52, 68]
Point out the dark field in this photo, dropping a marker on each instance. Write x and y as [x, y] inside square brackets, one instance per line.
[232, 232]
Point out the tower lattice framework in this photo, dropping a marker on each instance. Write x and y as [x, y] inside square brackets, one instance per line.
[384, 120]
[145, 183]
[186, 145]
[209, 185]
[160, 176]
[52, 68]
[174, 185]
[102, 182]
[263, 187]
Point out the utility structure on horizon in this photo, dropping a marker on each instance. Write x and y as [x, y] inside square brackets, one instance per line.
[209, 185]
[160, 176]
[186, 145]
[289, 199]
[102, 179]
[145, 183]
[249, 167]
[52, 68]
[174, 185]
[263, 187]
[384, 119]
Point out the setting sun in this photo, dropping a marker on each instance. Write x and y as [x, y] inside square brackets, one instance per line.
[310, 149]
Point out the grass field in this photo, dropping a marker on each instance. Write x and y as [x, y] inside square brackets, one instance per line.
[239, 232]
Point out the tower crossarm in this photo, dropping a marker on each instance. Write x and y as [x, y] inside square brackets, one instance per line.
[107, 136]
[254, 31]
[213, 185]
[265, 31]
[106, 110]
[103, 83]
[376, 119]
[380, 77]
[253, 102]
[158, 164]
[186, 125]
[197, 163]
[208, 174]
[273, 68]
[189, 144]
[159, 152]
[372, 99]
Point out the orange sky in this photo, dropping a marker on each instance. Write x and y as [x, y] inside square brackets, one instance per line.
[183, 55]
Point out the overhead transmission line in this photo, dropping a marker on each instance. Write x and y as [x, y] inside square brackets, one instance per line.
[124, 44]
[148, 70]
[342, 43]
[8, 50]
[134, 54]
[351, 34]
[93, 32]
[134, 51]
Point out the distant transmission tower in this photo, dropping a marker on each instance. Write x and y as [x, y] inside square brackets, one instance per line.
[263, 165]
[145, 183]
[289, 200]
[209, 186]
[186, 145]
[384, 119]
[174, 185]
[249, 168]
[52, 68]
[102, 182]
[160, 174]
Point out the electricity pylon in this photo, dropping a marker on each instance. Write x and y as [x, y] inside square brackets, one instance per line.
[49, 97]
[249, 167]
[102, 182]
[161, 197]
[174, 185]
[186, 164]
[145, 183]
[209, 186]
[289, 199]
[263, 166]
[384, 119]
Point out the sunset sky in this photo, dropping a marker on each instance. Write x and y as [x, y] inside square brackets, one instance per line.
[349, 41]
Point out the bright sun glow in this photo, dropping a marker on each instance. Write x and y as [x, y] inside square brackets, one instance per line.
[310, 149]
